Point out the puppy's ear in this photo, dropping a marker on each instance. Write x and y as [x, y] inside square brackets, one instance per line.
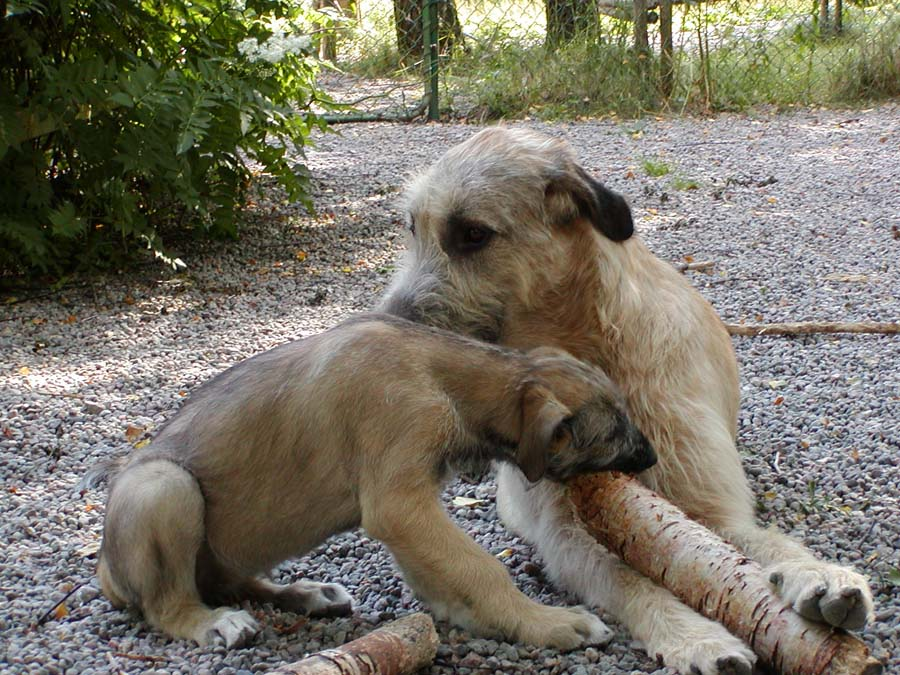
[542, 430]
[573, 193]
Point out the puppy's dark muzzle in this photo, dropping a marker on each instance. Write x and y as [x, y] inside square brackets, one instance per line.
[637, 455]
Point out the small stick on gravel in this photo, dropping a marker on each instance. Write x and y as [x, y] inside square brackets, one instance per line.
[809, 328]
[399, 648]
[701, 266]
[139, 657]
[660, 541]
[46, 615]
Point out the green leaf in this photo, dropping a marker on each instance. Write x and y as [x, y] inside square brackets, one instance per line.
[893, 577]
[185, 143]
[122, 98]
[65, 221]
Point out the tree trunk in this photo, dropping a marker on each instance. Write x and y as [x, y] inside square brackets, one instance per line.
[410, 31]
[667, 62]
[399, 648]
[568, 18]
[658, 540]
[823, 17]
[639, 16]
[328, 39]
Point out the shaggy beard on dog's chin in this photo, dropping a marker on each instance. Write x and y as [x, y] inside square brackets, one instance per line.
[423, 302]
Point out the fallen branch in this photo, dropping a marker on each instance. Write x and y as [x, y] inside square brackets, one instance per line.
[660, 541]
[695, 266]
[52, 611]
[401, 647]
[810, 328]
[140, 657]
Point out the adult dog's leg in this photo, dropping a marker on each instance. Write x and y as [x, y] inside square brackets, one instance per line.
[153, 531]
[716, 491]
[819, 590]
[668, 628]
[461, 581]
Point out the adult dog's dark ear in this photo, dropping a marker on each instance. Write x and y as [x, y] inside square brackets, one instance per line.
[575, 194]
[542, 430]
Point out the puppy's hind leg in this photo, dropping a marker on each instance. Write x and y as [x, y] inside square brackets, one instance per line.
[153, 532]
[304, 597]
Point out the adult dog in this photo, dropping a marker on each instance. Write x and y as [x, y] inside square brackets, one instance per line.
[512, 241]
[356, 426]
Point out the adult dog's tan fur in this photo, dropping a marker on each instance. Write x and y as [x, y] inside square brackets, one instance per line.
[355, 426]
[514, 242]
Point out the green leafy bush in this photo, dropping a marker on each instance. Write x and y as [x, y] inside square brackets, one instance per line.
[123, 119]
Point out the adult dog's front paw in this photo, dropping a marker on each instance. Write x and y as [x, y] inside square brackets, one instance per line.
[714, 655]
[824, 592]
[564, 628]
[694, 645]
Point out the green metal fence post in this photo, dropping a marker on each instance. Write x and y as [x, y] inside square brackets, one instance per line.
[430, 19]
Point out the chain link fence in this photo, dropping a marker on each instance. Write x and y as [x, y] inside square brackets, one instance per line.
[399, 59]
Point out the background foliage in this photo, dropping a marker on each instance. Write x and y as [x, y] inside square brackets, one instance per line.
[122, 120]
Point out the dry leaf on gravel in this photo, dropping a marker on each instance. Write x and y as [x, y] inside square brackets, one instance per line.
[467, 501]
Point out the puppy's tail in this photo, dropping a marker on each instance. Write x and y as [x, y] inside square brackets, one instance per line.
[101, 472]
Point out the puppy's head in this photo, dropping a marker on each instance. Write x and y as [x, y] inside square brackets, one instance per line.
[498, 225]
[574, 421]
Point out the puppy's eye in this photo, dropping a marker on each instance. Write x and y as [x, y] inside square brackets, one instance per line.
[412, 227]
[564, 428]
[475, 237]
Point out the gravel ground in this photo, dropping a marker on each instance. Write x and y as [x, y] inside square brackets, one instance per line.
[799, 211]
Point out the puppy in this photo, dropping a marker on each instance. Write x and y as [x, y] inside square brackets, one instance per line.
[357, 426]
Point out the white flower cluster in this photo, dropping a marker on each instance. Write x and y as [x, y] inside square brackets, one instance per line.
[275, 48]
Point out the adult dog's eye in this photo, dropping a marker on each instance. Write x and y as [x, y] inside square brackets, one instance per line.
[412, 227]
[463, 236]
[475, 237]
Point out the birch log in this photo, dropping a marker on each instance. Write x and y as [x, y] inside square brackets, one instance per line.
[401, 647]
[660, 541]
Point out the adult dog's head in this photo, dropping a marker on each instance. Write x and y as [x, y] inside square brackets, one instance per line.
[504, 226]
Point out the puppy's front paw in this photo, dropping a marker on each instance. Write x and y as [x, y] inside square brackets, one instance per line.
[824, 592]
[233, 627]
[564, 628]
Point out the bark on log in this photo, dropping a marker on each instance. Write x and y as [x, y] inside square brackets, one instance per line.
[657, 539]
[810, 328]
[401, 647]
